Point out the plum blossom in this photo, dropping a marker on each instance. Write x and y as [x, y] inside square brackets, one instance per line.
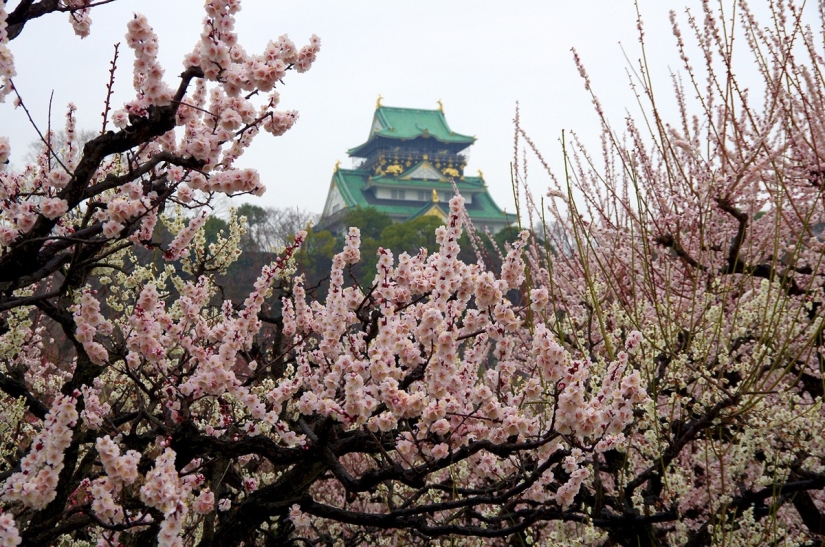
[5, 148]
[34, 485]
[165, 491]
[89, 321]
[122, 469]
[79, 16]
[299, 518]
[53, 208]
[205, 502]
[94, 409]
[148, 79]
[7, 71]
[184, 237]
[9, 535]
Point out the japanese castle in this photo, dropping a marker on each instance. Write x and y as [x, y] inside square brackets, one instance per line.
[404, 169]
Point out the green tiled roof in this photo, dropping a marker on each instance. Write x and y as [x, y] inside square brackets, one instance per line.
[468, 185]
[443, 207]
[409, 123]
[351, 183]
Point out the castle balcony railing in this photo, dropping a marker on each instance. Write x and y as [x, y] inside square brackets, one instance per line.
[407, 159]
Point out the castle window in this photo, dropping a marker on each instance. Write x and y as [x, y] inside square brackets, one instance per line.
[422, 195]
[398, 194]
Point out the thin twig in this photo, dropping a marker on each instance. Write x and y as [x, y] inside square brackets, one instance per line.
[34, 125]
[109, 87]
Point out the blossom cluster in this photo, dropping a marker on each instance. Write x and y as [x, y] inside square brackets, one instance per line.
[164, 490]
[7, 71]
[120, 471]
[79, 16]
[148, 74]
[88, 322]
[9, 535]
[459, 400]
[34, 485]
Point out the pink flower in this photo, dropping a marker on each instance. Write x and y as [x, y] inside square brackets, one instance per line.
[35, 484]
[59, 178]
[299, 518]
[5, 150]
[120, 119]
[205, 502]
[53, 208]
[111, 229]
[9, 535]
[8, 235]
[440, 451]
[634, 340]
[25, 221]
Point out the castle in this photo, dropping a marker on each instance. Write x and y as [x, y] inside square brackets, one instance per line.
[405, 169]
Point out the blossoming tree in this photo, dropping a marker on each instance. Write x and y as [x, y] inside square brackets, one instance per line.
[658, 382]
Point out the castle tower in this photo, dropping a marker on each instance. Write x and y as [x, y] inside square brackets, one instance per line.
[404, 169]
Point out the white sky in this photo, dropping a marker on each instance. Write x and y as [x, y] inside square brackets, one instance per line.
[478, 56]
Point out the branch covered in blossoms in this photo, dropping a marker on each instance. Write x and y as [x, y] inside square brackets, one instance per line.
[78, 212]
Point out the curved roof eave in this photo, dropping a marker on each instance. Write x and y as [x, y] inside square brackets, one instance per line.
[425, 135]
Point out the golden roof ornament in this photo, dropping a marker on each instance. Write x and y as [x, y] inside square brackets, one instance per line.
[337, 165]
[395, 169]
[440, 106]
[378, 102]
[435, 196]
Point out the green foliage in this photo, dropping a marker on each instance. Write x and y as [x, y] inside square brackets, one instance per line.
[411, 236]
[314, 258]
[214, 225]
[253, 213]
[372, 223]
[256, 219]
[369, 220]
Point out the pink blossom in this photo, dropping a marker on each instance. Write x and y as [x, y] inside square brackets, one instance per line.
[59, 178]
[8, 235]
[299, 519]
[5, 148]
[112, 229]
[35, 484]
[9, 536]
[53, 208]
[205, 502]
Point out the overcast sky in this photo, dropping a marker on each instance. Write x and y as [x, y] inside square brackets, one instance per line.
[477, 56]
